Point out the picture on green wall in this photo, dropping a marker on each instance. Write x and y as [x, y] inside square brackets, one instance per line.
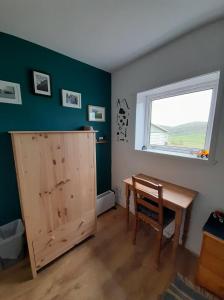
[41, 83]
[71, 99]
[10, 92]
[96, 113]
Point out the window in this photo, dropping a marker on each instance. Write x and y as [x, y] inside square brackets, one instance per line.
[178, 118]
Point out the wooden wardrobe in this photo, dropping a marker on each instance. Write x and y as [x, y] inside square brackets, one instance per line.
[56, 174]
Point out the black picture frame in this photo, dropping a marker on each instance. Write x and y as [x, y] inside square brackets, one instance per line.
[41, 88]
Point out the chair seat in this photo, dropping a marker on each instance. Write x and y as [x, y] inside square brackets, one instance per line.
[168, 214]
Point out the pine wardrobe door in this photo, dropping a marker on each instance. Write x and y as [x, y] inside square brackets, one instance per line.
[56, 176]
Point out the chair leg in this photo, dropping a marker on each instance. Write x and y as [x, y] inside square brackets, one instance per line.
[158, 248]
[136, 229]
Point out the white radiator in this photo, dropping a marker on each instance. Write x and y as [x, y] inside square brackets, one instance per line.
[104, 202]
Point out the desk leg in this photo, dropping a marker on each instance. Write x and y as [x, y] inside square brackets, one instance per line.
[127, 194]
[178, 222]
[187, 224]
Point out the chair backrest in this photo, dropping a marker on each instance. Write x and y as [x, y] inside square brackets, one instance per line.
[143, 188]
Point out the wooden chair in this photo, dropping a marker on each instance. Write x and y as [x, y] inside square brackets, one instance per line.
[148, 198]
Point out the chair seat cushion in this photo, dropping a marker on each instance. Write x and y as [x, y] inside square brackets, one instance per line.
[168, 214]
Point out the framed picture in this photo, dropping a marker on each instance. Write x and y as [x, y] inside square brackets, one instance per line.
[10, 92]
[41, 83]
[96, 113]
[71, 99]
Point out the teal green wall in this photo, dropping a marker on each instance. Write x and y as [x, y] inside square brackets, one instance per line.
[18, 58]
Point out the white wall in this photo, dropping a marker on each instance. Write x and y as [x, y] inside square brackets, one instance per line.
[199, 52]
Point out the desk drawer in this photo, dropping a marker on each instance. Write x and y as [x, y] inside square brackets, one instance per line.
[212, 255]
[213, 246]
[211, 265]
[210, 281]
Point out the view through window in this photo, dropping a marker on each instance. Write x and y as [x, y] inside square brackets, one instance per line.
[181, 121]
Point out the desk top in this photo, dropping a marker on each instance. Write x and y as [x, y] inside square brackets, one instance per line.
[172, 193]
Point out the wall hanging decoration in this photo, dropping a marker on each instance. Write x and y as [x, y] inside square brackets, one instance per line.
[10, 92]
[41, 83]
[71, 99]
[96, 113]
[122, 120]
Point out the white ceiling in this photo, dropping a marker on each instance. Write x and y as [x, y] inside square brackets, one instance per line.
[105, 33]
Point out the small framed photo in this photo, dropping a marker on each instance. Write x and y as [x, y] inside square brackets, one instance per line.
[96, 113]
[41, 83]
[10, 92]
[71, 99]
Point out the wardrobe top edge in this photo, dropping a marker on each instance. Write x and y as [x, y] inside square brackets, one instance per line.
[56, 131]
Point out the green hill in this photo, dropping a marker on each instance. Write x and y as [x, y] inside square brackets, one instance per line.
[191, 135]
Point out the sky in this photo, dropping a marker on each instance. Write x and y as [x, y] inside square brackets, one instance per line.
[182, 109]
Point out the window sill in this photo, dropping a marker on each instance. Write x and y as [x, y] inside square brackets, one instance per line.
[209, 160]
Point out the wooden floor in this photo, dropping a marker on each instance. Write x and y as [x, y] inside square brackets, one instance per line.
[106, 266]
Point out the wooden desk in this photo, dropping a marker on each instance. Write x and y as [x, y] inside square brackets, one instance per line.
[175, 197]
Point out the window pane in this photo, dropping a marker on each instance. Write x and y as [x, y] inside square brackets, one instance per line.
[181, 121]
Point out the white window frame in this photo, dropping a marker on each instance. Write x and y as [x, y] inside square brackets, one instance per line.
[196, 84]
